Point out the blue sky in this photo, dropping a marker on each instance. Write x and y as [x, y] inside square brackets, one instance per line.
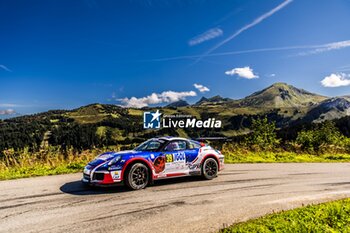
[64, 54]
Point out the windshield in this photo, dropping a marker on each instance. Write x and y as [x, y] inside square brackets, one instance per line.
[150, 145]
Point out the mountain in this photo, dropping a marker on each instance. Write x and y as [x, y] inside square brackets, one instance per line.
[180, 103]
[213, 100]
[281, 95]
[284, 104]
[202, 100]
[329, 109]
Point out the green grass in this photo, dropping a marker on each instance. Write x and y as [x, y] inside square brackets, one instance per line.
[20, 164]
[23, 163]
[235, 153]
[42, 170]
[282, 157]
[327, 217]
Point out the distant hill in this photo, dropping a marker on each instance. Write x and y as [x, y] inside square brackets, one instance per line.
[281, 95]
[89, 125]
[213, 100]
[287, 101]
[180, 103]
[329, 109]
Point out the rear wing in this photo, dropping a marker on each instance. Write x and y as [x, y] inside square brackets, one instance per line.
[213, 139]
[206, 140]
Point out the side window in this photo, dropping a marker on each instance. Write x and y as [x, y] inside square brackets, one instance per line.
[176, 145]
[182, 145]
[153, 145]
[194, 145]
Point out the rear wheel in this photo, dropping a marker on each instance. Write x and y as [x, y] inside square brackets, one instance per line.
[137, 177]
[209, 168]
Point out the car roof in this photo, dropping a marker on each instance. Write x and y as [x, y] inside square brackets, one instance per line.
[169, 138]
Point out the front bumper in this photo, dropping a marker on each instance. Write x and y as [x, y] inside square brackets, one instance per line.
[101, 178]
[100, 184]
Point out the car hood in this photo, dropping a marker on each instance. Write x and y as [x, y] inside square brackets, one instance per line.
[107, 156]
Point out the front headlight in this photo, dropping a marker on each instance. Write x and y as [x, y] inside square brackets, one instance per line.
[115, 160]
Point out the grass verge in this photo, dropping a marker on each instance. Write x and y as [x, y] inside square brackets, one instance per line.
[41, 170]
[327, 217]
[283, 157]
[53, 162]
[20, 164]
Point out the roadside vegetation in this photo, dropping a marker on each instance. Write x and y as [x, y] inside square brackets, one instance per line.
[327, 217]
[23, 163]
[68, 150]
[323, 143]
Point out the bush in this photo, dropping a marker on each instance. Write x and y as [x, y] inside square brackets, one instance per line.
[263, 134]
[323, 137]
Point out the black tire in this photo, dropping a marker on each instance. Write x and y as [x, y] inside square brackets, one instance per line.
[137, 177]
[210, 168]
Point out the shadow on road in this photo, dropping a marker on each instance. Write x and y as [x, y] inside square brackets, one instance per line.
[78, 188]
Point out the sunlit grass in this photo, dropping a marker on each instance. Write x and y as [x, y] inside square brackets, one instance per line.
[242, 154]
[52, 161]
[282, 157]
[327, 217]
[49, 162]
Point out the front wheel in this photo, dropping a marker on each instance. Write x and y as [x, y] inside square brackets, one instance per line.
[209, 168]
[137, 177]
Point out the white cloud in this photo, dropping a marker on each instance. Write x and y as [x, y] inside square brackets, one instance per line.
[201, 88]
[244, 72]
[156, 98]
[208, 35]
[272, 75]
[327, 47]
[5, 68]
[336, 80]
[7, 112]
[248, 26]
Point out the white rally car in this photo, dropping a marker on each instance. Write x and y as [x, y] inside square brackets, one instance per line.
[157, 158]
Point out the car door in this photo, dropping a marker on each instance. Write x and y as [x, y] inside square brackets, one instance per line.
[192, 152]
[175, 157]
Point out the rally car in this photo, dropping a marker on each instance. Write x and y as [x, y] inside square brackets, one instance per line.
[157, 158]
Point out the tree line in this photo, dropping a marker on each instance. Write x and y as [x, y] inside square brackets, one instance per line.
[31, 131]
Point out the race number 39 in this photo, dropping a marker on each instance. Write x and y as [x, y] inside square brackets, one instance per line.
[169, 158]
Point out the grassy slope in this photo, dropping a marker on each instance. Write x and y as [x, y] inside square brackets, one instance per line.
[326, 217]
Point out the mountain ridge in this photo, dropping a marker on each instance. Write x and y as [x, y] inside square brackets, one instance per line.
[281, 103]
[179, 103]
[214, 99]
[283, 99]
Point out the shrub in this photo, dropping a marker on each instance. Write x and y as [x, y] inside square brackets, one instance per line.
[263, 134]
[323, 137]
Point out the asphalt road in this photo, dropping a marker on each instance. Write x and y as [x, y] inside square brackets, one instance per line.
[242, 191]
